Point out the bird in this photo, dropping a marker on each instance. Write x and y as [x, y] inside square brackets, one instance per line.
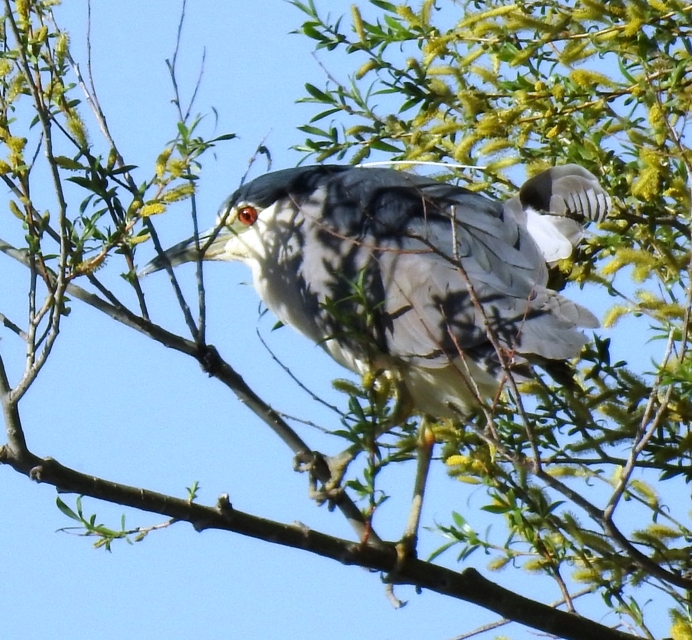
[443, 288]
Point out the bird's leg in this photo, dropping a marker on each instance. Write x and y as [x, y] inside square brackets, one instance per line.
[406, 547]
[337, 465]
[403, 406]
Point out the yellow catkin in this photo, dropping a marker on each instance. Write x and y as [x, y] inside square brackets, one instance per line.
[358, 24]
[589, 79]
[646, 185]
[487, 15]
[15, 144]
[614, 314]
[5, 67]
[178, 193]
[162, 162]
[152, 209]
[681, 628]
[658, 5]
[23, 9]
[657, 117]
[366, 68]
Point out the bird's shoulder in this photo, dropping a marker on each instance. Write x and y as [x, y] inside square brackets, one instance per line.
[385, 202]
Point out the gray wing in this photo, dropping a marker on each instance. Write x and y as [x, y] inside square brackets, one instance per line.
[432, 315]
[423, 248]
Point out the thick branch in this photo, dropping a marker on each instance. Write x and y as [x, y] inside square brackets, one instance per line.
[469, 585]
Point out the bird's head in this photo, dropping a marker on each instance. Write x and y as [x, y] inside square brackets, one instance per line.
[244, 217]
[226, 241]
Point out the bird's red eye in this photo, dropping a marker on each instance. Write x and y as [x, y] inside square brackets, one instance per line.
[247, 215]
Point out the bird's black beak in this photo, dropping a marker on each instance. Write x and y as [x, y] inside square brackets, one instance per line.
[209, 246]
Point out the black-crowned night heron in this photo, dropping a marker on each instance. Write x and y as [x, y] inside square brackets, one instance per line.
[392, 271]
[442, 288]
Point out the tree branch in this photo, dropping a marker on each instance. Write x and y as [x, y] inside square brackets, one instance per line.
[13, 425]
[469, 585]
[215, 366]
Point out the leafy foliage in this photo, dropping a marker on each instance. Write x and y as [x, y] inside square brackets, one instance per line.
[607, 85]
[40, 114]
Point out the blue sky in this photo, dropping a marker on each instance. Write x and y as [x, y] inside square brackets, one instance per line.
[116, 405]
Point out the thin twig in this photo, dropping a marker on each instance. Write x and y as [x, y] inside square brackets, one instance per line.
[91, 96]
[297, 380]
[59, 283]
[505, 621]
[183, 118]
[13, 327]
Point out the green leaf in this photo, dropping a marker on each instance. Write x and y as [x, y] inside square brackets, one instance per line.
[387, 6]
[381, 145]
[318, 94]
[66, 510]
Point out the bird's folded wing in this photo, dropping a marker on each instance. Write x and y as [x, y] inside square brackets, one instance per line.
[441, 300]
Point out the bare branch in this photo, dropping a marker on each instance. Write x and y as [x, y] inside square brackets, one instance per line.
[13, 327]
[13, 424]
[468, 585]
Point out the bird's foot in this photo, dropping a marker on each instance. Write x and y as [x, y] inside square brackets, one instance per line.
[325, 473]
[405, 551]
[322, 494]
